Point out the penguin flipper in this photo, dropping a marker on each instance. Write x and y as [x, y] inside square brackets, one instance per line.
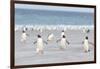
[34, 42]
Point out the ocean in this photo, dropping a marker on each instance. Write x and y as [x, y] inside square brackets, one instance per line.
[47, 17]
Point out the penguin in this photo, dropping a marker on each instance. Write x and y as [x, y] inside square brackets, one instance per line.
[23, 36]
[40, 45]
[86, 44]
[50, 37]
[25, 29]
[86, 30]
[63, 42]
[62, 33]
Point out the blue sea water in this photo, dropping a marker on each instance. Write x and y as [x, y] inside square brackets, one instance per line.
[47, 17]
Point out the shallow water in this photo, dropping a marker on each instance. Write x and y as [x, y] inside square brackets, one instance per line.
[46, 17]
[25, 53]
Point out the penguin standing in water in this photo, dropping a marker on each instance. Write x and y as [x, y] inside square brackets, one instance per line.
[50, 37]
[40, 45]
[86, 31]
[25, 28]
[62, 33]
[24, 36]
[63, 42]
[86, 44]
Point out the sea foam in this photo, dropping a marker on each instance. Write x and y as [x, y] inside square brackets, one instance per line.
[53, 27]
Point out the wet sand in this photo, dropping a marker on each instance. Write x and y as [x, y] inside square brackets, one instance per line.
[25, 53]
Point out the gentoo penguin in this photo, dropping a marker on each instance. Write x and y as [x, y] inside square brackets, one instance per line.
[63, 42]
[25, 28]
[86, 31]
[23, 36]
[62, 33]
[50, 37]
[86, 44]
[40, 45]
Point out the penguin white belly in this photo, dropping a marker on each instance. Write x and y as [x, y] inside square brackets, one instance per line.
[40, 44]
[86, 45]
[24, 29]
[84, 30]
[62, 34]
[63, 43]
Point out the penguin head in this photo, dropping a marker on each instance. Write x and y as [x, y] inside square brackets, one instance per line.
[39, 36]
[64, 36]
[86, 37]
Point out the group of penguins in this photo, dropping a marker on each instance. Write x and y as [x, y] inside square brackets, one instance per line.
[63, 41]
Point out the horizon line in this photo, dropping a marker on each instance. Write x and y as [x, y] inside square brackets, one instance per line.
[54, 8]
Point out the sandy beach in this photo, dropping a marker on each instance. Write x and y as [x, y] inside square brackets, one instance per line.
[25, 53]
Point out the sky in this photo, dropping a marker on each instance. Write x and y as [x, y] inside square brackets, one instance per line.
[54, 8]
